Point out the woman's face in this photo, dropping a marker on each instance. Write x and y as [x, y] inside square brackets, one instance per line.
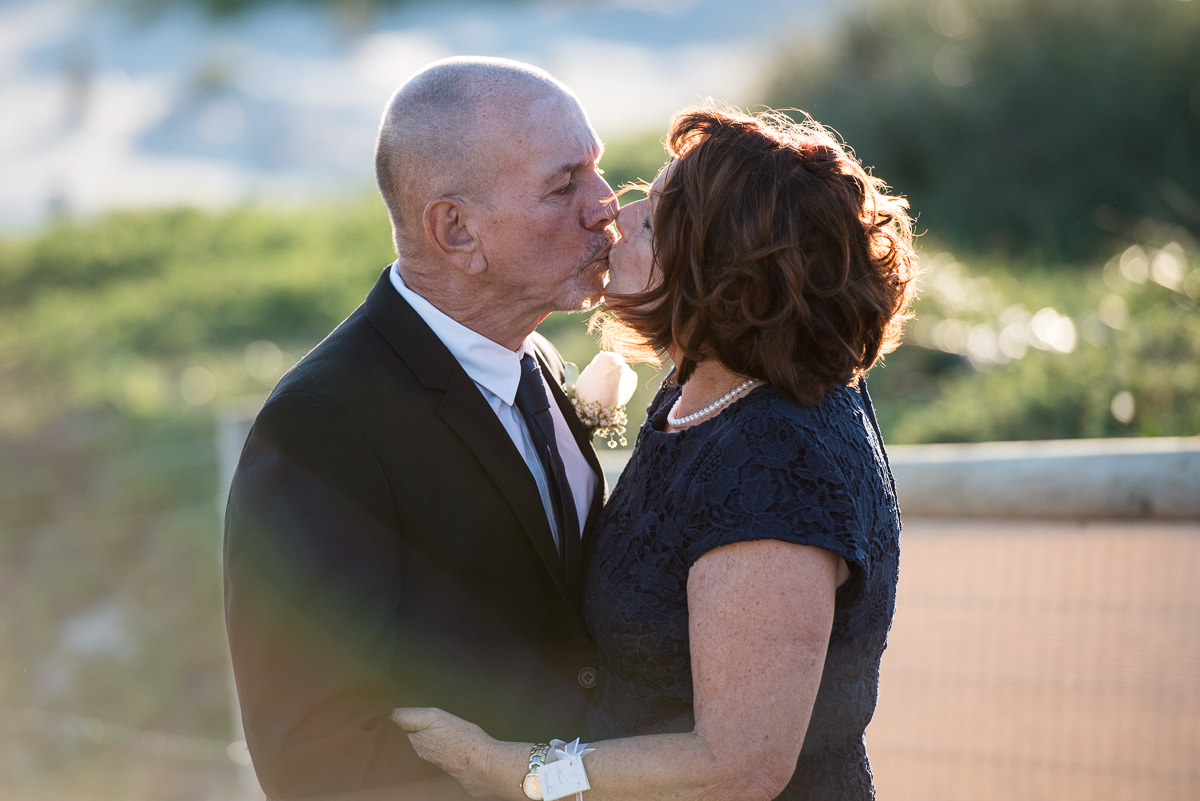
[631, 260]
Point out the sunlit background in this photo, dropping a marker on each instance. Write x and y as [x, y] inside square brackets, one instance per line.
[186, 207]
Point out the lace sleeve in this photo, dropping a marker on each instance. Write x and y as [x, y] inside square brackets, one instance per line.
[774, 479]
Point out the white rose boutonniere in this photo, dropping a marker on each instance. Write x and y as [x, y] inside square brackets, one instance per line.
[600, 393]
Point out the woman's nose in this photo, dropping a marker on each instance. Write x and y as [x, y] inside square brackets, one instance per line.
[624, 216]
[619, 224]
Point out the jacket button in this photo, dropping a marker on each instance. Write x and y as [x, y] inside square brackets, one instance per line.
[587, 678]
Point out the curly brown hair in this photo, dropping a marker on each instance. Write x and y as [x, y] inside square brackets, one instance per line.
[778, 254]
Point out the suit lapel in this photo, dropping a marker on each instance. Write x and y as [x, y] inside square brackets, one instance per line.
[464, 409]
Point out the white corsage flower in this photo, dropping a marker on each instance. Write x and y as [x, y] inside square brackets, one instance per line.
[600, 393]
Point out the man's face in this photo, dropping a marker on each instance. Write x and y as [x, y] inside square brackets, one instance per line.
[545, 232]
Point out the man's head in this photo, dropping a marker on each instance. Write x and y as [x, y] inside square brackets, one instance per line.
[489, 171]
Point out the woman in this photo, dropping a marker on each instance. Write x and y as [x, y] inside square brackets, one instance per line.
[741, 581]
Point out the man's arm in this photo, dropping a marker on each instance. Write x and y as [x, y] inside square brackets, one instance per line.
[313, 582]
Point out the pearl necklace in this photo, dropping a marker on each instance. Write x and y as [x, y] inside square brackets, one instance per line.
[676, 422]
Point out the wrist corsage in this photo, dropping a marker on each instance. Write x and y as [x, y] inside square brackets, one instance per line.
[599, 395]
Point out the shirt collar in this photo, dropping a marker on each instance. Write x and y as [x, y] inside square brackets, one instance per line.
[489, 364]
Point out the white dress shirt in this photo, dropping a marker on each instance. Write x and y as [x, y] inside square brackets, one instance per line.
[496, 370]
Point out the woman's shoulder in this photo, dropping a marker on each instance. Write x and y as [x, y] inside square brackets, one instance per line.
[761, 428]
[771, 472]
[766, 416]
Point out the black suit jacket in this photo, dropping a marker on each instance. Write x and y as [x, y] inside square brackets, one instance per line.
[385, 545]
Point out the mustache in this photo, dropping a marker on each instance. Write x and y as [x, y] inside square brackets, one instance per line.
[603, 241]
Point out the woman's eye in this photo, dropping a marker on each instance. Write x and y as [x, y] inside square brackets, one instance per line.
[564, 189]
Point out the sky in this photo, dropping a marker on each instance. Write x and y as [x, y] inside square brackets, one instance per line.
[104, 110]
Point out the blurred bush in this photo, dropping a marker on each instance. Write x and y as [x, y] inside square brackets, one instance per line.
[1003, 354]
[1046, 128]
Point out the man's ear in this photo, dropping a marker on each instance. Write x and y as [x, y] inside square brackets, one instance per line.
[448, 225]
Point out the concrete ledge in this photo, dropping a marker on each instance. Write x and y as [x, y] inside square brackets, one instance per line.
[1071, 479]
[1076, 479]
[1055, 479]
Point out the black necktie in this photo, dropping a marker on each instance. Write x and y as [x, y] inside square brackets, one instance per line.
[534, 405]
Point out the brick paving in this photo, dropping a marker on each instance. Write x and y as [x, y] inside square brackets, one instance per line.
[1042, 661]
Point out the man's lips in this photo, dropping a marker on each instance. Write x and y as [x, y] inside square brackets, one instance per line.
[602, 256]
[598, 263]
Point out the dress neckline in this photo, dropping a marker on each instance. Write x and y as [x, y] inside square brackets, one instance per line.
[657, 421]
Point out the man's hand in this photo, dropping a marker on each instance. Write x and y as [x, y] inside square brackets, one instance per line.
[458, 747]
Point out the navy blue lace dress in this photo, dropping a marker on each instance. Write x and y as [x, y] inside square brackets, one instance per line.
[764, 468]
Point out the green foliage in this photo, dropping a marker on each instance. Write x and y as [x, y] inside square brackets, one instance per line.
[111, 313]
[999, 355]
[1018, 126]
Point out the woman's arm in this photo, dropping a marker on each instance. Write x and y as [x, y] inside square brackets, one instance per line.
[760, 615]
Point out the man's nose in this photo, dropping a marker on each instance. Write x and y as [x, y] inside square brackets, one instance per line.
[604, 212]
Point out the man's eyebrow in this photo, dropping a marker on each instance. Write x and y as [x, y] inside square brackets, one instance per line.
[572, 167]
[554, 176]
[578, 166]
[584, 163]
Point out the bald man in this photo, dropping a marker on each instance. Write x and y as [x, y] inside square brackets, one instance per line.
[391, 539]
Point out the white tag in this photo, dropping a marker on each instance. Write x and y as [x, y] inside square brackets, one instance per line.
[562, 778]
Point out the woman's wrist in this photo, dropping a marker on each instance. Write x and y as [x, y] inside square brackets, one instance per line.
[505, 766]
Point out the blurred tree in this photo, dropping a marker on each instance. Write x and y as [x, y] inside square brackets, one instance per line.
[1045, 127]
